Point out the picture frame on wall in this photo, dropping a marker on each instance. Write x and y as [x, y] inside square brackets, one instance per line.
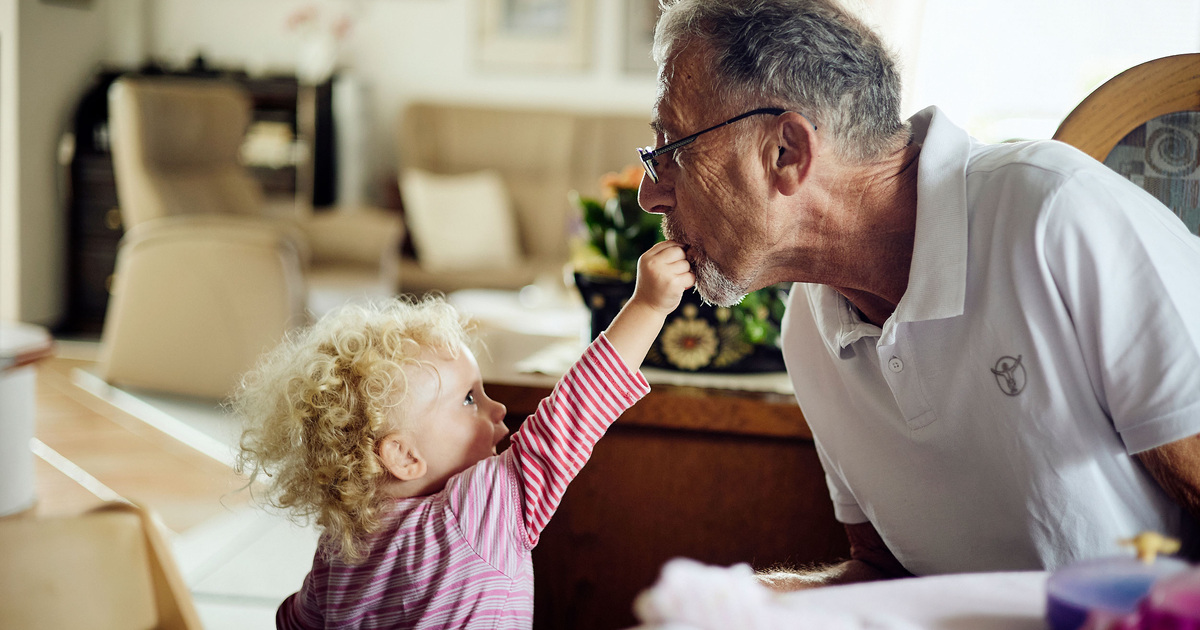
[641, 16]
[537, 35]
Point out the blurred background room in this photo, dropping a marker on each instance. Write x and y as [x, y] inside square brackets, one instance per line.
[183, 181]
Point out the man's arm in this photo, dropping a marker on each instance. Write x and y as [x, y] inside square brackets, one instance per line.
[1176, 468]
[870, 560]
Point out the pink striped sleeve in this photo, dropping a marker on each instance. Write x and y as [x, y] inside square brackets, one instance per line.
[556, 441]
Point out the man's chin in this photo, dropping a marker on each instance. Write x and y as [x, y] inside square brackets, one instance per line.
[726, 297]
[718, 299]
[714, 287]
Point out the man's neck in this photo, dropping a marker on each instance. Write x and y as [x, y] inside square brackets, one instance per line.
[875, 253]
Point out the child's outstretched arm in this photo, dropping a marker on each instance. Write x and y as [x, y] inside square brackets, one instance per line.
[556, 441]
[663, 275]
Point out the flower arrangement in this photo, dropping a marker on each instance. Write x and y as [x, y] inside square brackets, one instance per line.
[615, 231]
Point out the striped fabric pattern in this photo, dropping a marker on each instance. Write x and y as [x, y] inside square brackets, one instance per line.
[461, 558]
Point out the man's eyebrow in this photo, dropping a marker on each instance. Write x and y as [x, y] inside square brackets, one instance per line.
[657, 126]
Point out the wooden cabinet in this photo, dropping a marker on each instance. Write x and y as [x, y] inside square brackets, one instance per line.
[714, 475]
[95, 230]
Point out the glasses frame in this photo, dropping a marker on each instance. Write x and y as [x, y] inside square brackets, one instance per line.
[648, 155]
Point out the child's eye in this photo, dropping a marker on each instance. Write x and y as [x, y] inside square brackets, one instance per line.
[470, 399]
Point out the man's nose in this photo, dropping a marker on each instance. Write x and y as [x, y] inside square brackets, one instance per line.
[656, 198]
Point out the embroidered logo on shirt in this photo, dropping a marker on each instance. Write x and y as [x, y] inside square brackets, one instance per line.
[1010, 375]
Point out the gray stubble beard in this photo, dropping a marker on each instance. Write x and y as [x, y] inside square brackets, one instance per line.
[712, 284]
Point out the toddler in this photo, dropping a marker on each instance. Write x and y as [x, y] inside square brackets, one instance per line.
[374, 423]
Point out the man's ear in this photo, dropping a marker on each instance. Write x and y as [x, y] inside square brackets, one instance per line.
[400, 457]
[792, 153]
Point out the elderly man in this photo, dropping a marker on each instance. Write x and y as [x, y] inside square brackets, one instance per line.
[997, 346]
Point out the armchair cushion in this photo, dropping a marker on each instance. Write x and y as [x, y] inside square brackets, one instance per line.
[354, 236]
[245, 289]
[460, 222]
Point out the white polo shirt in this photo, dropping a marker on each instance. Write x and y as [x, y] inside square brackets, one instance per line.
[1051, 328]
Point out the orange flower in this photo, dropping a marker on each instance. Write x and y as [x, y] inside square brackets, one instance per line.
[628, 179]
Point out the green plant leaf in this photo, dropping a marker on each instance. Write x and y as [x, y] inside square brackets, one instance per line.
[614, 212]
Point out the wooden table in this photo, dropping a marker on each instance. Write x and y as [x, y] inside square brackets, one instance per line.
[717, 475]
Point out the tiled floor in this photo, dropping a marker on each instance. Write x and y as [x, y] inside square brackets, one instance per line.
[95, 443]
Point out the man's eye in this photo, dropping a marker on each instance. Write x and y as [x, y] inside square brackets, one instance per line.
[470, 399]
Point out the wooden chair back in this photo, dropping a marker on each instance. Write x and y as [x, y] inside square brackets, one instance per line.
[1145, 124]
[107, 569]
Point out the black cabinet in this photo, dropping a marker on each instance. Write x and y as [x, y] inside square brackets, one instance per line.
[95, 230]
[93, 214]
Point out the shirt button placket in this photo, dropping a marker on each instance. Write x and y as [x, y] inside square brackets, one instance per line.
[905, 384]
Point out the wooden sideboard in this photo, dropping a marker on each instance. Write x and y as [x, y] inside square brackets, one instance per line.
[716, 475]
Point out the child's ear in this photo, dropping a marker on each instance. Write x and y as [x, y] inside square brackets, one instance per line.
[399, 455]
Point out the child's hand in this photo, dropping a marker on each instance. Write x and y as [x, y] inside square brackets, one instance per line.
[663, 274]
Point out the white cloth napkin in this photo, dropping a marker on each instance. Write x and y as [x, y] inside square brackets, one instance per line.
[693, 596]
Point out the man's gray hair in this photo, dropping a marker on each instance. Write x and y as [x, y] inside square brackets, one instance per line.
[810, 56]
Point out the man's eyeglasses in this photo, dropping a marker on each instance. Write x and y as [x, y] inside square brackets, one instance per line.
[649, 154]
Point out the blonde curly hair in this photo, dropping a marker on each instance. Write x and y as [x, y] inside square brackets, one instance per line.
[314, 407]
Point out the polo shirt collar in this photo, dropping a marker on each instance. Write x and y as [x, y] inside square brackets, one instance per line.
[937, 279]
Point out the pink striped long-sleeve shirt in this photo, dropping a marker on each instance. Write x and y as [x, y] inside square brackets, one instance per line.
[461, 558]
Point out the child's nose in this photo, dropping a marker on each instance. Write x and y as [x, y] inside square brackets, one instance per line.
[499, 413]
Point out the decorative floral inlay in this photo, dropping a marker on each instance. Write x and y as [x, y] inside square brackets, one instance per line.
[689, 343]
[733, 345]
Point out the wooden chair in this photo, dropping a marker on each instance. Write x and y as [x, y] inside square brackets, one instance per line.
[109, 568]
[1145, 124]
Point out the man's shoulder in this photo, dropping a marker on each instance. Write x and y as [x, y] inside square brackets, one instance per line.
[1030, 177]
[1033, 158]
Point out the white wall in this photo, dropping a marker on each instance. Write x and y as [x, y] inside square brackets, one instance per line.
[1015, 68]
[9, 250]
[401, 51]
[50, 51]
[1002, 68]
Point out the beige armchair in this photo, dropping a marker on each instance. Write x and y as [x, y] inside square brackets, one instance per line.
[207, 278]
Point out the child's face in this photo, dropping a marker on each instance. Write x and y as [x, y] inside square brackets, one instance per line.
[458, 425]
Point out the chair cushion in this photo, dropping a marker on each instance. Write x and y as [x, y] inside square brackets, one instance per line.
[353, 236]
[1162, 156]
[416, 280]
[460, 222]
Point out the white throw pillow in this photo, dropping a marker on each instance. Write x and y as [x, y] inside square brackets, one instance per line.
[459, 222]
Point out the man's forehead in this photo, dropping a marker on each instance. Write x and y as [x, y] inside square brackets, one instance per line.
[662, 116]
[681, 90]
